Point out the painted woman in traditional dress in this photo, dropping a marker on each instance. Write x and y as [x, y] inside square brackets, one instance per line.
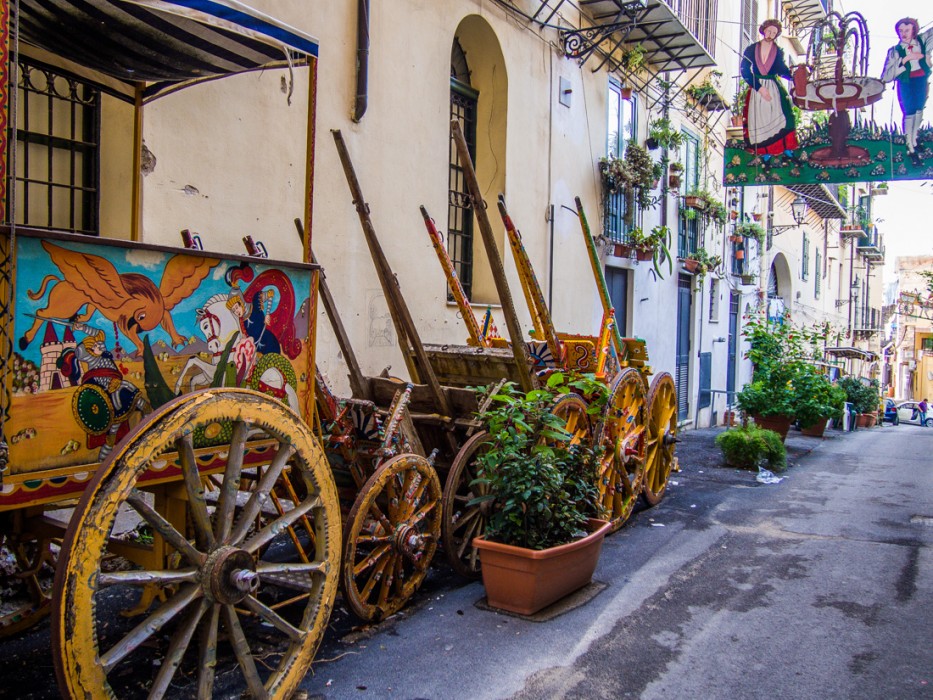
[907, 64]
[770, 128]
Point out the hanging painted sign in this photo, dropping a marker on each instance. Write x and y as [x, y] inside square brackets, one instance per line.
[769, 148]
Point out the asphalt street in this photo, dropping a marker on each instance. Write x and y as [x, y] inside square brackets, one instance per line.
[816, 587]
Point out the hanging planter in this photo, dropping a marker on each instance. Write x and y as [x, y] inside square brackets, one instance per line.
[747, 279]
[690, 265]
[736, 238]
[694, 202]
[673, 181]
[733, 215]
[756, 216]
[739, 253]
[626, 92]
[651, 144]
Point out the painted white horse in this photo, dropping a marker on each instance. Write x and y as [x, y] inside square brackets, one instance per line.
[218, 324]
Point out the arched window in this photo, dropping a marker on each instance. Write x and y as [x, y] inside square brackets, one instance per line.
[463, 99]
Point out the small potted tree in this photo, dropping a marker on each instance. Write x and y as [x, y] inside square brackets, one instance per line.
[816, 400]
[542, 540]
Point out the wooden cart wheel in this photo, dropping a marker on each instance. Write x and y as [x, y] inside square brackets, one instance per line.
[463, 521]
[622, 437]
[391, 536]
[29, 555]
[254, 571]
[661, 439]
[572, 408]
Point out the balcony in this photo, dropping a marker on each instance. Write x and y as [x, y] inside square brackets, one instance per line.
[867, 321]
[674, 36]
[805, 13]
[871, 246]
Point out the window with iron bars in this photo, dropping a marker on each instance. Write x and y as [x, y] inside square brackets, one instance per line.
[688, 239]
[56, 182]
[459, 210]
[818, 270]
[620, 213]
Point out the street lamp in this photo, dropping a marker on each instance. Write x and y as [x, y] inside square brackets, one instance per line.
[798, 209]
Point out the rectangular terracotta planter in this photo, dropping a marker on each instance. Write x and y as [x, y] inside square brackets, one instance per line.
[525, 581]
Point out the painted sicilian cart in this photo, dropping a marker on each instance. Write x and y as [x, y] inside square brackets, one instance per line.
[162, 447]
[638, 428]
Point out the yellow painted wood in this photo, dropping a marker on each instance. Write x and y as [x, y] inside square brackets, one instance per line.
[622, 437]
[662, 429]
[76, 651]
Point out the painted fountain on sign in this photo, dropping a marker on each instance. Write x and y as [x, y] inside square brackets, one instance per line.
[773, 148]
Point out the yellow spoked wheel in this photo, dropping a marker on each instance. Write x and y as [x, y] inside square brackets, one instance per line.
[622, 439]
[662, 437]
[464, 520]
[244, 575]
[391, 536]
[572, 409]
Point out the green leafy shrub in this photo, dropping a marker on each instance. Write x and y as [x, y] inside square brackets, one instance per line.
[749, 447]
[542, 488]
[815, 397]
[863, 396]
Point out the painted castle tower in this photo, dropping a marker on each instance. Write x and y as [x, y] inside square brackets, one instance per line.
[50, 376]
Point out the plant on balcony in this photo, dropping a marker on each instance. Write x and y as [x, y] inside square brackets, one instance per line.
[704, 91]
[738, 105]
[701, 262]
[663, 134]
[708, 206]
[654, 246]
[632, 58]
[635, 173]
[750, 229]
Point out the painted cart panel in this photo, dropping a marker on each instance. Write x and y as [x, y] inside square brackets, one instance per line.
[105, 332]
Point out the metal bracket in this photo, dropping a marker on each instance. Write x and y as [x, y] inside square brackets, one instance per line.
[582, 43]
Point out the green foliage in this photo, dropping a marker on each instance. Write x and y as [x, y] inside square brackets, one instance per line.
[635, 173]
[710, 208]
[542, 488]
[748, 447]
[632, 58]
[750, 229]
[658, 242]
[927, 276]
[665, 134]
[815, 397]
[738, 102]
[863, 396]
[781, 353]
[707, 262]
[676, 167]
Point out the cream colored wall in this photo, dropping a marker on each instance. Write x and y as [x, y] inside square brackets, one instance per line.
[229, 162]
[116, 168]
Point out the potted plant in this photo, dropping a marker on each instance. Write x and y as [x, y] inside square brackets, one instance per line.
[880, 189]
[663, 134]
[750, 446]
[635, 173]
[738, 106]
[863, 395]
[654, 246]
[542, 540]
[748, 278]
[750, 229]
[632, 58]
[707, 205]
[675, 171]
[700, 262]
[769, 402]
[816, 400]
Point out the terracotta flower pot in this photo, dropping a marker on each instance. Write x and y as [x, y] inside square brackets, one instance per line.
[643, 254]
[737, 120]
[621, 251]
[690, 265]
[694, 202]
[525, 581]
[815, 430]
[739, 254]
[673, 181]
[865, 420]
[779, 424]
[626, 92]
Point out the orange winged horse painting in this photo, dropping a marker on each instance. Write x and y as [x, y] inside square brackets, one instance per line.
[130, 300]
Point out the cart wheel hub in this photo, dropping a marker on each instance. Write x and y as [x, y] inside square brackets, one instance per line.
[670, 439]
[410, 542]
[230, 575]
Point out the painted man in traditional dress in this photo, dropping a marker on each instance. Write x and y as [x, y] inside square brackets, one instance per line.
[907, 65]
[770, 128]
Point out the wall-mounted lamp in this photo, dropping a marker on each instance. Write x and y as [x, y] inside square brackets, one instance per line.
[798, 209]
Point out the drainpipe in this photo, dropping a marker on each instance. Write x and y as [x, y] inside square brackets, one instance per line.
[362, 60]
